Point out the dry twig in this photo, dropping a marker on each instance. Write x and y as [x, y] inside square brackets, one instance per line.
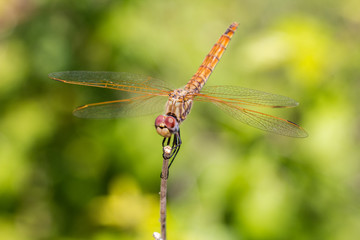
[163, 190]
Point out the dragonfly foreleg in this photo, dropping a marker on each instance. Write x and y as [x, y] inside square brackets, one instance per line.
[168, 142]
[175, 147]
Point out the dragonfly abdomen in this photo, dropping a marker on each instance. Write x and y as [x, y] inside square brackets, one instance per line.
[200, 77]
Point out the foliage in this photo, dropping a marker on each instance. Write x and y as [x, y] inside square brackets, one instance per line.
[68, 178]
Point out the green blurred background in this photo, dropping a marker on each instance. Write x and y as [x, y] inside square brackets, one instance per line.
[67, 178]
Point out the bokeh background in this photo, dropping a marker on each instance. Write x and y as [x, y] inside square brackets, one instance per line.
[67, 178]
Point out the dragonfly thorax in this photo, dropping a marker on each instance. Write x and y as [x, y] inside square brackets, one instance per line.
[179, 104]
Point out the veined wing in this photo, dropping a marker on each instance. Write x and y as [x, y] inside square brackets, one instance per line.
[128, 82]
[132, 107]
[244, 96]
[262, 121]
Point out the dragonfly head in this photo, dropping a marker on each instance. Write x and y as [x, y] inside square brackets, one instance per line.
[166, 125]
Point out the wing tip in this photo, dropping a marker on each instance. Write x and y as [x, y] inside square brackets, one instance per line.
[301, 133]
[55, 76]
[52, 75]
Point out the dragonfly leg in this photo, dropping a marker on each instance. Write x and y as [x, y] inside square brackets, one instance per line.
[168, 142]
[175, 147]
[176, 143]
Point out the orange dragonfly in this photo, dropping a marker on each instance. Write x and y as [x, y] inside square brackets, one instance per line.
[151, 95]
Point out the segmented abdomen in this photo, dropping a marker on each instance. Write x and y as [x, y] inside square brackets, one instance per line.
[199, 79]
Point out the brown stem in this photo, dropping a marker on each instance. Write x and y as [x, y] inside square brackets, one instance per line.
[163, 190]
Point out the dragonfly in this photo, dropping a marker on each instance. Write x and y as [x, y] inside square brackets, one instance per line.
[150, 95]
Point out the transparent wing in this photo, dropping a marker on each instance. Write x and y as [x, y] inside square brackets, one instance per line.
[262, 121]
[244, 96]
[128, 82]
[132, 107]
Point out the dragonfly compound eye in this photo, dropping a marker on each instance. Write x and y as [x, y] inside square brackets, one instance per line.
[159, 121]
[161, 127]
[171, 123]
